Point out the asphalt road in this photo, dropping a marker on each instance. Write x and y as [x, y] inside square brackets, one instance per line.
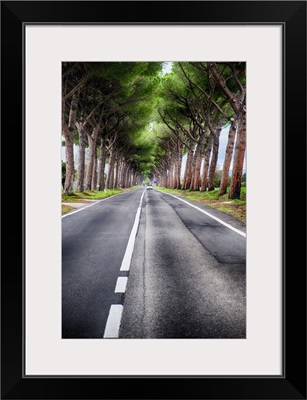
[94, 241]
[187, 275]
[186, 278]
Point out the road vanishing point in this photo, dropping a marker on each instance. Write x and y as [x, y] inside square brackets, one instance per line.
[147, 264]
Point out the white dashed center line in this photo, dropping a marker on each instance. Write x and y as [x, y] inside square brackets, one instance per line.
[121, 284]
[113, 322]
[129, 250]
[116, 310]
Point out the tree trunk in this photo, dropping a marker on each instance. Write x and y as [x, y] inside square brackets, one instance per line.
[195, 184]
[81, 158]
[214, 157]
[68, 131]
[228, 157]
[174, 175]
[178, 166]
[120, 174]
[91, 159]
[127, 181]
[206, 164]
[110, 178]
[196, 170]
[94, 175]
[116, 173]
[188, 170]
[69, 155]
[131, 179]
[235, 185]
[240, 111]
[165, 179]
[101, 166]
[126, 176]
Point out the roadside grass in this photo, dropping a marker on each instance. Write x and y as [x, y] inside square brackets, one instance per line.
[66, 209]
[79, 197]
[85, 197]
[235, 208]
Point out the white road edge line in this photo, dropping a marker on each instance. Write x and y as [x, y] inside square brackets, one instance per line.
[113, 322]
[125, 266]
[209, 215]
[90, 205]
[121, 284]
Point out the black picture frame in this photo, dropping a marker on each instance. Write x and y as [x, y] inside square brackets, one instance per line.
[290, 14]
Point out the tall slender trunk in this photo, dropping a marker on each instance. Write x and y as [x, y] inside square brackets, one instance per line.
[127, 176]
[236, 102]
[110, 179]
[206, 164]
[81, 158]
[188, 169]
[228, 156]
[131, 179]
[116, 172]
[101, 165]
[94, 175]
[92, 138]
[167, 173]
[195, 184]
[178, 165]
[69, 156]
[127, 180]
[174, 175]
[68, 131]
[236, 178]
[163, 180]
[214, 157]
[120, 173]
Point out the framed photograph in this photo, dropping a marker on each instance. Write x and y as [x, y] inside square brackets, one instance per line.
[64, 336]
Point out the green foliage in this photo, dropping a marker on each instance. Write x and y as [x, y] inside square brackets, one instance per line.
[146, 111]
[218, 177]
[146, 181]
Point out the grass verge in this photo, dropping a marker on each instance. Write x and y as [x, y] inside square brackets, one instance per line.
[235, 208]
[85, 197]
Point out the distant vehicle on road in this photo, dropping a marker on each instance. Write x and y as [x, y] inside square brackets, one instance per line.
[149, 187]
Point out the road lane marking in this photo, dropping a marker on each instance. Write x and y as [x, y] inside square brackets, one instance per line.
[209, 215]
[121, 284]
[90, 205]
[113, 322]
[116, 310]
[125, 266]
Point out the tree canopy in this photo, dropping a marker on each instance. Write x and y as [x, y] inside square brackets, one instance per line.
[141, 122]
